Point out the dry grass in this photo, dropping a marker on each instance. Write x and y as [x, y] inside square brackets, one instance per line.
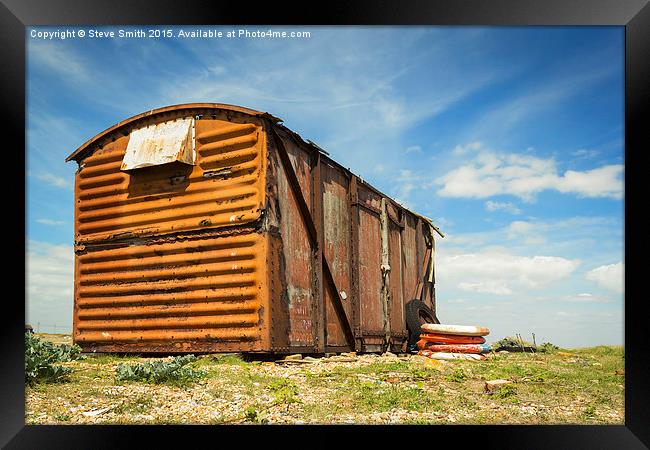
[584, 386]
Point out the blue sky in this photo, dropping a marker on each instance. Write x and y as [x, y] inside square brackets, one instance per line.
[511, 139]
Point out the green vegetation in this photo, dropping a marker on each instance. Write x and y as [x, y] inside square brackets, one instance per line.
[505, 391]
[584, 386]
[458, 375]
[41, 358]
[284, 391]
[512, 343]
[173, 371]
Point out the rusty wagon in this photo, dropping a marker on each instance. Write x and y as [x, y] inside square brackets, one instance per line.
[213, 228]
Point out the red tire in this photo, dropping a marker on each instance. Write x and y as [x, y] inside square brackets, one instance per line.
[457, 348]
[451, 338]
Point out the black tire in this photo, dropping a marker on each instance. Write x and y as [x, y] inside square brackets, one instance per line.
[417, 313]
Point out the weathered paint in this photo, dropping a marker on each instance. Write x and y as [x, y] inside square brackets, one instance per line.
[297, 255]
[410, 262]
[336, 229]
[218, 256]
[161, 143]
[370, 276]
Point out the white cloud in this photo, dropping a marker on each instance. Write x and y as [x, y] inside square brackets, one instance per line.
[574, 235]
[50, 222]
[490, 173]
[379, 168]
[601, 182]
[496, 271]
[547, 95]
[502, 206]
[585, 297]
[586, 154]
[54, 180]
[49, 283]
[413, 149]
[609, 276]
[528, 231]
[371, 90]
[403, 184]
[406, 183]
[59, 59]
[461, 150]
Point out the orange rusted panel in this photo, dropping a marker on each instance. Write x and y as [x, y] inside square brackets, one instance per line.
[199, 289]
[224, 188]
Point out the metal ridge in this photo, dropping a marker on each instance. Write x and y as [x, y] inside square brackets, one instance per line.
[86, 146]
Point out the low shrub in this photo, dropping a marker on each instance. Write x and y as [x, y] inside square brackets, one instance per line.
[514, 344]
[285, 391]
[505, 391]
[458, 375]
[41, 357]
[172, 370]
[547, 347]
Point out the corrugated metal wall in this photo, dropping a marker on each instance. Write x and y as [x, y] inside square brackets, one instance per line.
[174, 197]
[191, 289]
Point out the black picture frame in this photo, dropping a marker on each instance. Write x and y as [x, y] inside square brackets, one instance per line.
[634, 15]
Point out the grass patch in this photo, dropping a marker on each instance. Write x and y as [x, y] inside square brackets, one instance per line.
[506, 391]
[232, 359]
[137, 405]
[284, 391]
[458, 375]
[568, 386]
[109, 358]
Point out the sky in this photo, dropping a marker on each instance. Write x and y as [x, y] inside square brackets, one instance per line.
[510, 138]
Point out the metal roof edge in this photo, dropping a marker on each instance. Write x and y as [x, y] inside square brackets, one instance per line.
[179, 107]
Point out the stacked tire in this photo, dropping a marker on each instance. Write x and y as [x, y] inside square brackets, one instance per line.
[449, 342]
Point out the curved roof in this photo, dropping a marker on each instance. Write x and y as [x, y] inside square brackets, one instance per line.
[184, 107]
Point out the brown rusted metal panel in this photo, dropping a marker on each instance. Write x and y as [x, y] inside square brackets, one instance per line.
[297, 252]
[353, 240]
[410, 263]
[371, 309]
[248, 249]
[336, 246]
[397, 318]
[319, 310]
